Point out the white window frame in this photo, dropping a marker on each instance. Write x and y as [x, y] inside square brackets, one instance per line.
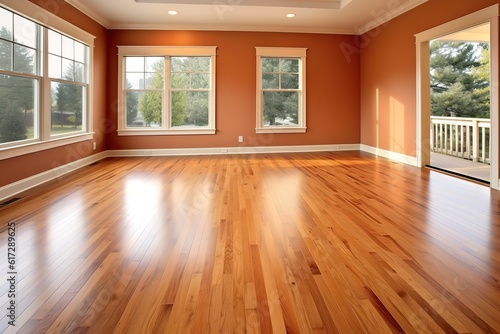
[45, 140]
[165, 51]
[281, 52]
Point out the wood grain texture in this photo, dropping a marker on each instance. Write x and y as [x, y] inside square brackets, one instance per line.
[275, 243]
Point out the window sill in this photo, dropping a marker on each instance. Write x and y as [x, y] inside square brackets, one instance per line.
[33, 147]
[163, 132]
[280, 130]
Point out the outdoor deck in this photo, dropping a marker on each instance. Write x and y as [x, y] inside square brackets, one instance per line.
[461, 166]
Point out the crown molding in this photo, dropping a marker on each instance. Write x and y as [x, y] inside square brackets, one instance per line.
[240, 28]
[89, 12]
[318, 4]
[389, 14]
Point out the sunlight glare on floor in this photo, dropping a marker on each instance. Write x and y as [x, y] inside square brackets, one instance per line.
[142, 197]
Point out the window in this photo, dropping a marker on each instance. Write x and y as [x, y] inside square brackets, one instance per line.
[44, 82]
[68, 62]
[281, 98]
[166, 90]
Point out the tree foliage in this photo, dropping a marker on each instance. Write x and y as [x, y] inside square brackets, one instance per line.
[132, 104]
[13, 125]
[280, 82]
[460, 79]
[16, 93]
[150, 104]
[69, 97]
[190, 82]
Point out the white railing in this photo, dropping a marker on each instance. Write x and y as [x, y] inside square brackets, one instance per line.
[467, 138]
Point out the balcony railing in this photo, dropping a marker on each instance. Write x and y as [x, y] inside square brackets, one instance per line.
[467, 138]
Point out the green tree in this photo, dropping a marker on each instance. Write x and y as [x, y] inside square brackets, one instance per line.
[150, 104]
[18, 90]
[459, 79]
[69, 97]
[132, 105]
[12, 126]
[197, 108]
[280, 77]
[190, 81]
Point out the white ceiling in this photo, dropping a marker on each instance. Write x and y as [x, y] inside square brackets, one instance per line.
[317, 16]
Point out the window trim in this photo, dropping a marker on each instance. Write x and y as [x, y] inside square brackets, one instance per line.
[165, 51]
[281, 52]
[45, 141]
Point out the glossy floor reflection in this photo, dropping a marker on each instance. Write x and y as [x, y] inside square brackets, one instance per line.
[317, 242]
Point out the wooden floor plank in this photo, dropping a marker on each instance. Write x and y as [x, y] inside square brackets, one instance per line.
[327, 242]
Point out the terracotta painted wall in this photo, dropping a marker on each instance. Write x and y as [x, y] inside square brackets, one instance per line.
[388, 72]
[332, 89]
[28, 165]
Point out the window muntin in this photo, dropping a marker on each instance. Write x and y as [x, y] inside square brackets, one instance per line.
[166, 90]
[29, 77]
[280, 90]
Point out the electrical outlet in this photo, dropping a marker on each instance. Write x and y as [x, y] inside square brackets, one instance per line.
[240, 139]
[94, 145]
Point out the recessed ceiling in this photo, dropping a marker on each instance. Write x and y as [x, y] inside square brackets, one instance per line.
[315, 16]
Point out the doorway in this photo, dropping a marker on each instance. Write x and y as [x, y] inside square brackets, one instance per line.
[460, 103]
[486, 19]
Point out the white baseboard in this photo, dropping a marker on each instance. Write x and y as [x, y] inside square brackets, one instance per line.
[398, 157]
[38, 179]
[232, 150]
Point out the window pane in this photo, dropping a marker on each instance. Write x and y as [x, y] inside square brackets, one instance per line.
[68, 48]
[67, 108]
[150, 107]
[154, 80]
[80, 51]
[290, 81]
[270, 65]
[55, 65]
[280, 108]
[24, 59]
[134, 118]
[155, 64]
[270, 81]
[189, 108]
[6, 19]
[80, 73]
[200, 64]
[25, 31]
[179, 64]
[54, 43]
[200, 81]
[289, 65]
[179, 80]
[17, 108]
[134, 64]
[5, 55]
[136, 80]
[68, 67]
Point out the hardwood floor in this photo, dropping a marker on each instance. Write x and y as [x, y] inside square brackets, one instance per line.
[287, 243]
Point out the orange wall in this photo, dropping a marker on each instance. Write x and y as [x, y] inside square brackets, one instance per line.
[28, 165]
[388, 73]
[332, 89]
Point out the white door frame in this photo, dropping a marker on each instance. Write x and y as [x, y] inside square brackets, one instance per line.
[486, 15]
